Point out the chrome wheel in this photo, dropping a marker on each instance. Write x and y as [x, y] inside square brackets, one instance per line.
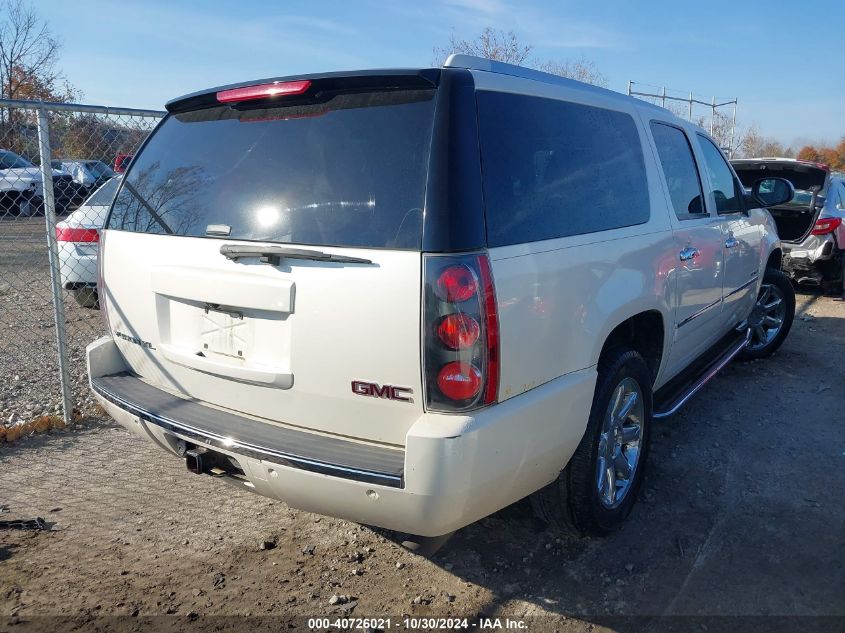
[619, 443]
[767, 318]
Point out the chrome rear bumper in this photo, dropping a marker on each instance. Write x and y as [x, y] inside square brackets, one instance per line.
[214, 428]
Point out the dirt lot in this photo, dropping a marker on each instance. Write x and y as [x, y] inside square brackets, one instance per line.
[29, 371]
[742, 515]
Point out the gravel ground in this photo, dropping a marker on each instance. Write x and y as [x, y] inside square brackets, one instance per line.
[741, 517]
[29, 385]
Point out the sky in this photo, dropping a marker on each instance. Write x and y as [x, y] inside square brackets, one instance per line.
[779, 58]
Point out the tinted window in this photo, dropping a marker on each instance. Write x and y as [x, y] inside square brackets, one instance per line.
[10, 160]
[552, 169]
[679, 168]
[721, 178]
[350, 171]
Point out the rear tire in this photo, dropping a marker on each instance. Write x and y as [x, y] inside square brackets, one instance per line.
[87, 297]
[767, 337]
[579, 501]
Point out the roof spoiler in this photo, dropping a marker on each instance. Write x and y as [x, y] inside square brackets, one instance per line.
[320, 86]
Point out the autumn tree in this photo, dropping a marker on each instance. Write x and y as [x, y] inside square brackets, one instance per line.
[94, 137]
[505, 46]
[810, 153]
[29, 56]
[833, 156]
[840, 153]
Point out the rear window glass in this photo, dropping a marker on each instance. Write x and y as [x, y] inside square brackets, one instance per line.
[350, 171]
[553, 169]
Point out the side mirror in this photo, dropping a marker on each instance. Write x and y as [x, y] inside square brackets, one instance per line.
[771, 192]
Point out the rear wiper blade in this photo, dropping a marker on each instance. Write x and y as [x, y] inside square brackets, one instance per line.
[274, 254]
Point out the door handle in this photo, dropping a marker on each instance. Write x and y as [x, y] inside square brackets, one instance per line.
[690, 252]
[731, 242]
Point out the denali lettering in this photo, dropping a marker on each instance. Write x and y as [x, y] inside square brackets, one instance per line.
[374, 390]
[134, 339]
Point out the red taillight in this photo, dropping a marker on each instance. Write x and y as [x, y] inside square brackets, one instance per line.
[262, 91]
[459, 381]
[68, 234]
[456, 284]
[458, 331]
[461, 333]
[491, 327]
[824, 226]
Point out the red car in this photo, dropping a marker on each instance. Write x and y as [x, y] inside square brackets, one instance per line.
[121, 162]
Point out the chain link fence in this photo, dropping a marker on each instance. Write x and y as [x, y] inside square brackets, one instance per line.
[60, 167]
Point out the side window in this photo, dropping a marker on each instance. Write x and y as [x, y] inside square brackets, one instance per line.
[721, 178]
[553, 168]
[841, 202]
[680, 171]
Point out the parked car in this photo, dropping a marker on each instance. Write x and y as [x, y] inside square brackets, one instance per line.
[22, 187]
[811, 225]
[314, 290]
[78, 237]
[90, 174]
[121, 162]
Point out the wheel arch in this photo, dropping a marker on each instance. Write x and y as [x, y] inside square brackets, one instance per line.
[644, 332]
[775, 259]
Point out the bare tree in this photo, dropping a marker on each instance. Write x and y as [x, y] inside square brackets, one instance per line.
[752, 144]
[491, 44]
[504, 46]
[29, 53]
[581, 69]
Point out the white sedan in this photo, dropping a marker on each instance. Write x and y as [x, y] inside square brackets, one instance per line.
[78, 239]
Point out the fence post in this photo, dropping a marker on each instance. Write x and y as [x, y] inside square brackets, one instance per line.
[712, 116]
[733, 128]
[53, 251]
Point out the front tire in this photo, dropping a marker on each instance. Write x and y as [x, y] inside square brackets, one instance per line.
[598, 488]
[772, 316]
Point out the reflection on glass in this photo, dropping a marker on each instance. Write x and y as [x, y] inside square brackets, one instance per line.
[267, 216]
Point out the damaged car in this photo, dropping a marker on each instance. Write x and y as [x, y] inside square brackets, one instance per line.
[811, 225]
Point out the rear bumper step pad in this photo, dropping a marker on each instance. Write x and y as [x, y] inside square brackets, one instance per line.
[214, 428]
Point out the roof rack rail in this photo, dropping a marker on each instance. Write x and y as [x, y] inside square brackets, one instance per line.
[459, 60]
[470, 62]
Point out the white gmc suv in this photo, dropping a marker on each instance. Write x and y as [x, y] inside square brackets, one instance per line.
[410, 298]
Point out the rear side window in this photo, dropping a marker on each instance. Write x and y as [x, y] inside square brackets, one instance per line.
[552, 169]
[350, 171]
[679, 169]
[721, 178]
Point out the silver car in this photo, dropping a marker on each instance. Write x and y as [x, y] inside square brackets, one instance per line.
[812, 225]
[88, 173]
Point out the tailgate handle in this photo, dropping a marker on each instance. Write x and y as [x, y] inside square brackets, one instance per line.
[274, 254]
[262, 375]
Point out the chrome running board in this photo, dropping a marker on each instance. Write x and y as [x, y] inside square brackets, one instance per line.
[678, 397]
